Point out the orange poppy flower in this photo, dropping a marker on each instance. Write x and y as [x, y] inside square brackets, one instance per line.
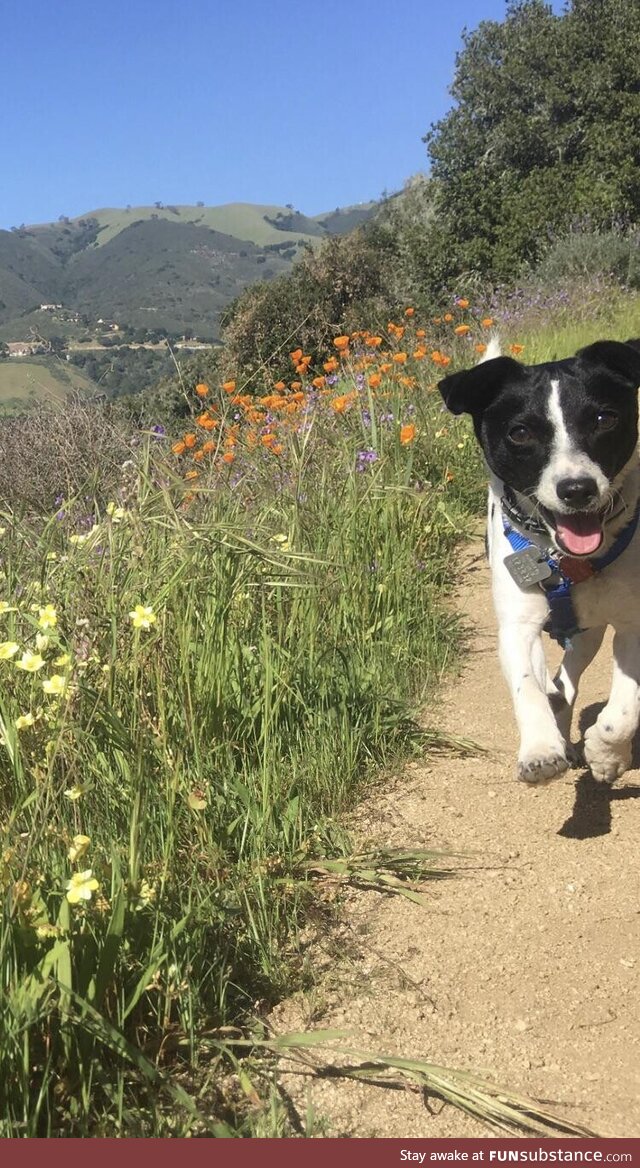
[386, 368]
[516, 349]
[198, 456]
[461, 330]
[438, 319]
[208, 447]
[399, 358]
[331, 365]
[268, 439]
[296, 355]
[448, 317]
[419, 353]
[480, 348]
[341, 343]
[462, 303]
[229, 457]
[487, 322]
[421, 333]
[318, 382]
[407, 433]
[280, 385]
[190, 440]
[296, 385]
[339, 404]
[375, 380]
[192, 474]
[373, 342]
[229, 386]
[202, 389]
[179, 447]
[277, 448]
[409, 311]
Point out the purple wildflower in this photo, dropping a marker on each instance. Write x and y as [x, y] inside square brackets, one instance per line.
[365, 458]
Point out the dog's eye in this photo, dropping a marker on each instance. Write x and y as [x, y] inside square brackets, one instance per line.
[520, 435]
[606, 420]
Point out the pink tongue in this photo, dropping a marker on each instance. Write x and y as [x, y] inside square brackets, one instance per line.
[580, 535]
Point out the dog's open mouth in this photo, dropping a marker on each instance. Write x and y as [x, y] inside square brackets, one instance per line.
[579, 533]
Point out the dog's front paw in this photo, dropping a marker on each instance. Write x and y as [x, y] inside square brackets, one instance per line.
[541, 765]
[606, 760]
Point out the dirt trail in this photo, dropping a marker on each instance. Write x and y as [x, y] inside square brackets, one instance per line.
[526, 967]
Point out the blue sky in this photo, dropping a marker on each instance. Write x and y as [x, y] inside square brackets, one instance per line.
[268, 101]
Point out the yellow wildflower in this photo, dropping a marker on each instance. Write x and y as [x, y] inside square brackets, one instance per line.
[47, 617]
[30, 662]
[6, 607]
[25, 720]
[8, 649]
[55, 686]
[142, 616]
[78, 847]
[75, 792]
[115, 512]
[81, 886]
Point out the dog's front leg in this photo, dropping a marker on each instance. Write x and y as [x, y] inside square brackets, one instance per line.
[542, 754]
[607, 744]
[577, 658]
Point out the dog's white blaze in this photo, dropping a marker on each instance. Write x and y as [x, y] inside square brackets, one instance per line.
[566, 460]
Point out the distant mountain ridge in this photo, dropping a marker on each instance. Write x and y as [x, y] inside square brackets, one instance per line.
[171, 267]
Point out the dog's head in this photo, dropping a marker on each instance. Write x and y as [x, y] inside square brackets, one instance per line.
[561, 434]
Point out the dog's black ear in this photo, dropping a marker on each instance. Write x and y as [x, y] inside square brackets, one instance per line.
[471, 391]
[622, 358]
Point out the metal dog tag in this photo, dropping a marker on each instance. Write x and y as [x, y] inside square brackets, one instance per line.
[528, 567]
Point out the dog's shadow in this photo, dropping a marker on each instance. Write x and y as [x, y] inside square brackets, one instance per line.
[591, 815]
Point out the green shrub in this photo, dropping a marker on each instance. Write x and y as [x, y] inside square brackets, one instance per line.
[593, 253]
[330, 291]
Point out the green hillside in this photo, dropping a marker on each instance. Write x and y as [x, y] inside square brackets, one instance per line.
[42, 380]
[176, 274]
[168, 267]
[248, 221]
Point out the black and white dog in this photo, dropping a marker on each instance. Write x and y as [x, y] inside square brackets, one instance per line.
[561, 443]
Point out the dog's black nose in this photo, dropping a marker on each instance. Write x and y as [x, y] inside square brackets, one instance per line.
[577, 492]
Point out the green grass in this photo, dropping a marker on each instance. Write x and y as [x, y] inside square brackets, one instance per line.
[616, 319]
[205, 757]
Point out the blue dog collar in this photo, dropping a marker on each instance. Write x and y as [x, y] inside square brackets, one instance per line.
[562, 624]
